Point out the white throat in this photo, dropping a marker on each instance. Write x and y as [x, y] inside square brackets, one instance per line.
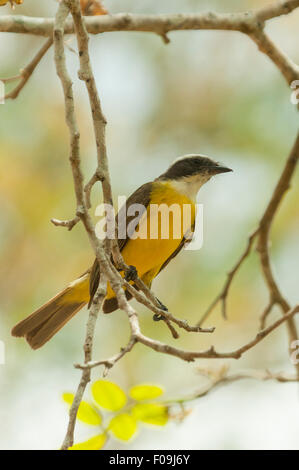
[190, 185]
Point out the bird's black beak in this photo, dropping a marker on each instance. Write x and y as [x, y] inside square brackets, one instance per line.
[219, 169]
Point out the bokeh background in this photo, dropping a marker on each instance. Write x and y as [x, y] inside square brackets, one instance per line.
[206, 92]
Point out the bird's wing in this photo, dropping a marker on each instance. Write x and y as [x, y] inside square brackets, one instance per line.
[185, 240]
[140, 196]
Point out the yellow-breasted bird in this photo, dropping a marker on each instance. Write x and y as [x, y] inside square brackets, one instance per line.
[147, 253]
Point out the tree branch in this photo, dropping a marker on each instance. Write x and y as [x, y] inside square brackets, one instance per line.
[275, 9]
[251, 23]
[221, 377]
[66, 82]
[138, 337]
[86, 374]
[281, 188]
[222, 296]
[26, 73]
[262, 234]
[159, 24]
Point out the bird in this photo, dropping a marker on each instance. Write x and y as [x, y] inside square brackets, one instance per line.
[146, 255]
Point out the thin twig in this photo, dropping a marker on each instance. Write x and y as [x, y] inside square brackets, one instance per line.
[266, 312]
[108, 363]
[287, 67]
[220, 377]
[222, 296]
[86, 374]
[281, 188]
[262, 235]
[167, 315]
[66, 223]
[26, 73]
[189, 356]
[97, 176]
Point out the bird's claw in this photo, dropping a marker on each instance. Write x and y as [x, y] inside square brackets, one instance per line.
[162, 306]
[131, 274]
[157, 316]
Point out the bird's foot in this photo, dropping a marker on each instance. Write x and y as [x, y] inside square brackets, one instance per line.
[131, 274]
[157, 316]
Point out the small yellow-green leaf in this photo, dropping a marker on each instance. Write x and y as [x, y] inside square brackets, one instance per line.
[68, 398]
[123, 426]
[108, 395]
[151, 413]
[145, 392]
[86, 413]
[94, 443]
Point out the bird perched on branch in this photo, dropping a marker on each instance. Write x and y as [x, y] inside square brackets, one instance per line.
[144, 245]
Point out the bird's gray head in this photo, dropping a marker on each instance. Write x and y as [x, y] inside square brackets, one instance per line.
[190, 172]
[193, 165]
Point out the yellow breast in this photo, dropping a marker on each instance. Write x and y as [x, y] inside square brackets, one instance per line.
[168, 217]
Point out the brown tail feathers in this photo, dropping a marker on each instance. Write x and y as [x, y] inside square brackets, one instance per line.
[45, 322]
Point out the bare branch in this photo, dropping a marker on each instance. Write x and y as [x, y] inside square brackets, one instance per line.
[288, 68]
[97, 176]
[278, 8]
[250, 23]
[222, 297]
[265, 313]
[167, 315]
[86, 374]
[99, 121]
[138, 337]
[281, 188]
[75, 159]
[221, 377]
[66, 223]
[81, 212]
[108, 363]
[26, 73]
[159, 24]
[262, 234]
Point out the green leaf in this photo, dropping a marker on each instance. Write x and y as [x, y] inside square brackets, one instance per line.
[151, 413]
[123, 426]
[108, 395]
[95, 443]
[145, 392]
[86, 413]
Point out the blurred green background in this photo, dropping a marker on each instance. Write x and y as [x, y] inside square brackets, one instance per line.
[207, 92]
